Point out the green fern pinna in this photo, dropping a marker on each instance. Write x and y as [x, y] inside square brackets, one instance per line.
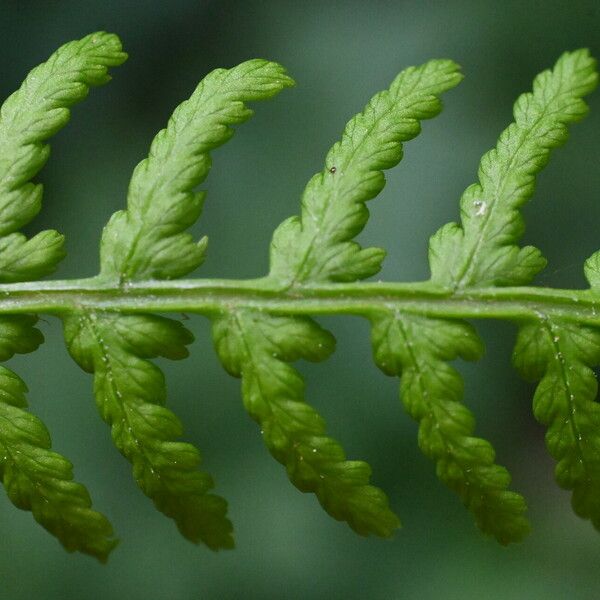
[262, 326]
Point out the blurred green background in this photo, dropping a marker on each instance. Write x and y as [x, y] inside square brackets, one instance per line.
[340, 53]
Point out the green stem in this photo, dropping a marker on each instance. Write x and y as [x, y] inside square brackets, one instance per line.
[212, 296]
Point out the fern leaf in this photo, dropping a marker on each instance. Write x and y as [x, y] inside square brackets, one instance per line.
[147, 241]
[130, 393]
[36, 111]
[431, 390]
[317, 245]
[484, 250]
[258, 350]
[313, 248]
[36, 478]
[561, 356]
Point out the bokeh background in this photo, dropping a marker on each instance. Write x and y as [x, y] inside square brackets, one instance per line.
[340, 53]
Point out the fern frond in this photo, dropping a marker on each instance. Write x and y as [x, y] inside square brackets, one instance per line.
[260, 327]
[130, 393]
[147, 241]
